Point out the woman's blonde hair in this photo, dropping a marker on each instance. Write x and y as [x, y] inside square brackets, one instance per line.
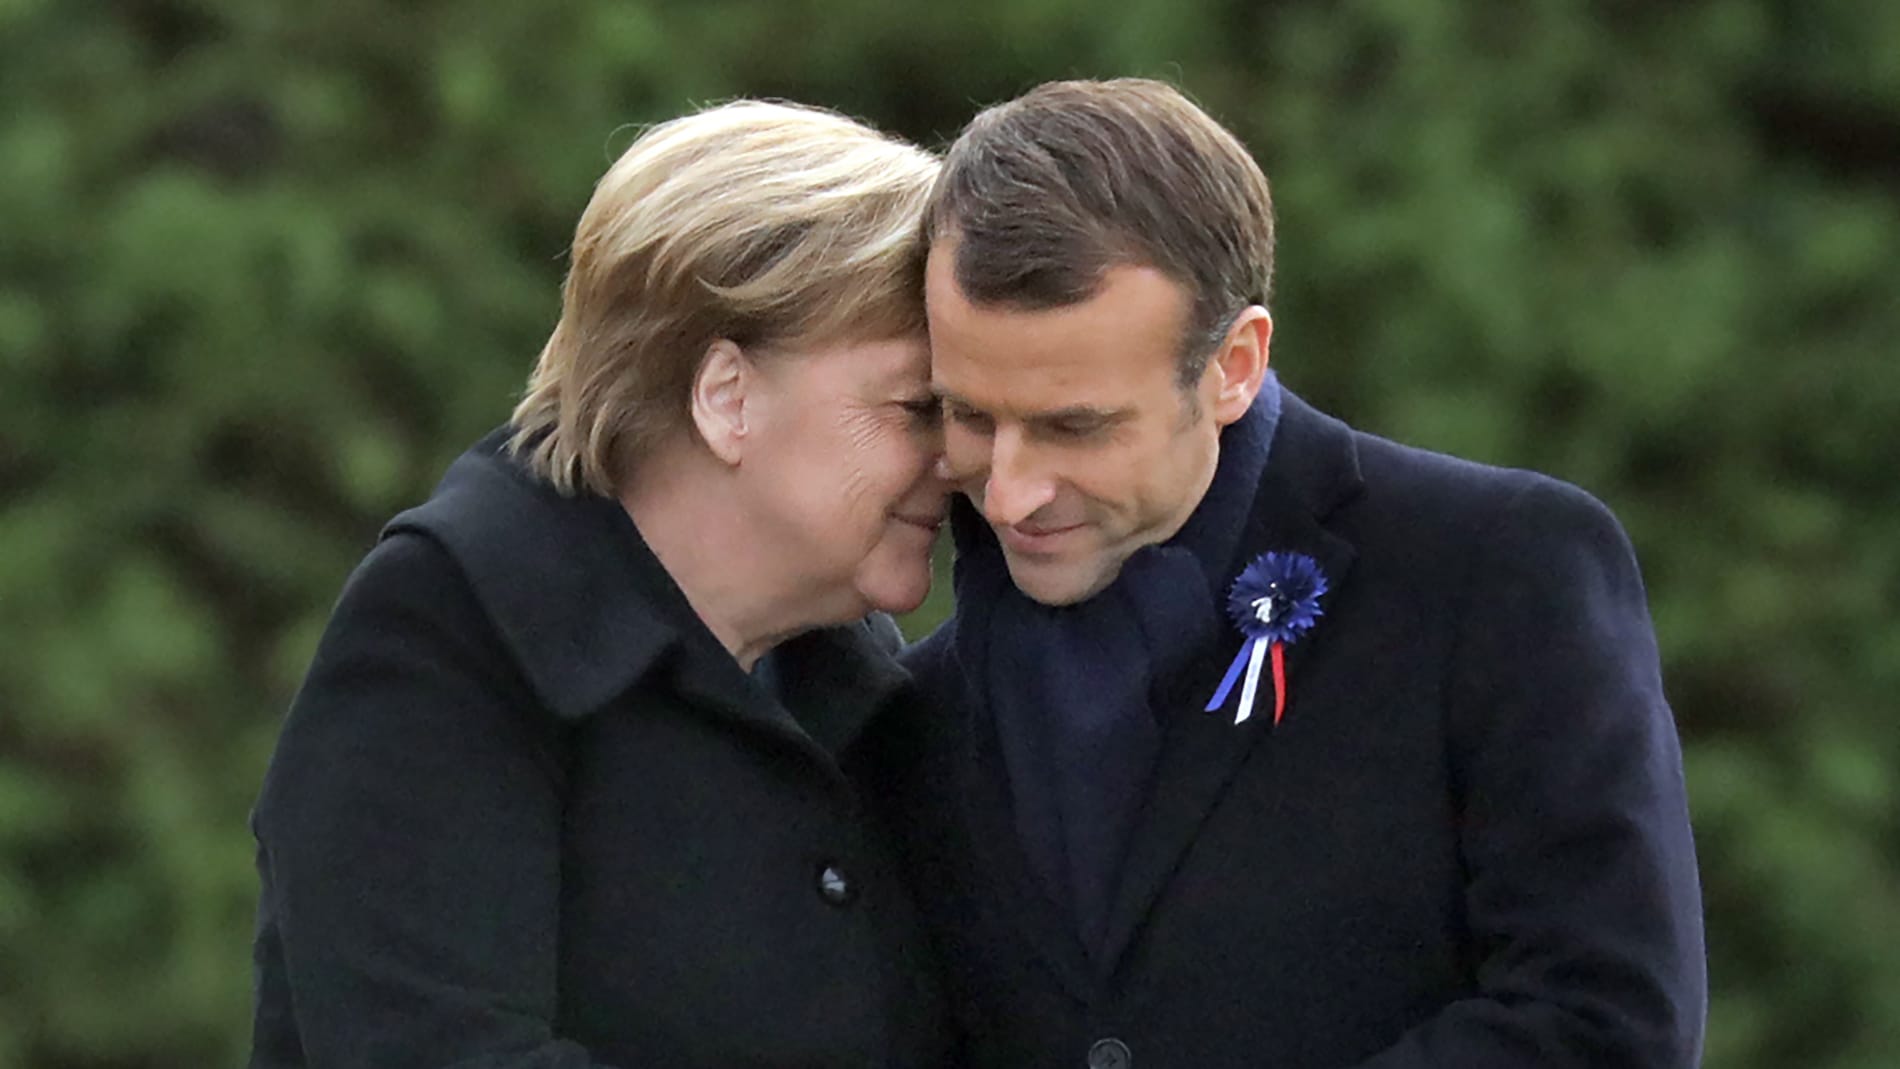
[768, 224]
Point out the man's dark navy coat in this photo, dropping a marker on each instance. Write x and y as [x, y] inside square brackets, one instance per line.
[1465, 847]
[526, 812]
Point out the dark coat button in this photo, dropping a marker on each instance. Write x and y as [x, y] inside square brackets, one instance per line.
[835, 887]
[1110, 1054]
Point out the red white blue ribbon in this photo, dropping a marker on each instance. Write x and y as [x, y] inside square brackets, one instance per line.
[1274, 601]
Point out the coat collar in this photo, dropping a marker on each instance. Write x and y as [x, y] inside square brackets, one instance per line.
[837, 679]
[576, 595]
[588, 611]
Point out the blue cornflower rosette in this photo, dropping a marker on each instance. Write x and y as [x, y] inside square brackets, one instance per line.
[1274, 601]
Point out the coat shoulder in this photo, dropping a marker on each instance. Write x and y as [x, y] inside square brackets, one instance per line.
[1421, 494]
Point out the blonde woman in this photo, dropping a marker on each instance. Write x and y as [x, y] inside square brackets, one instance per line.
[574, 777]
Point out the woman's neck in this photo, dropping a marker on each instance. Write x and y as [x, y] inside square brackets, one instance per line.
[687, 509]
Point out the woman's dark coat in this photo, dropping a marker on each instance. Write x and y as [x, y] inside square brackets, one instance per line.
[526, 811]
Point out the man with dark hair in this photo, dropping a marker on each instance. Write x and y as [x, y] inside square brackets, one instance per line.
[1256, 740]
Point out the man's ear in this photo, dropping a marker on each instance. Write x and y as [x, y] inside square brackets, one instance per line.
[719, 399]
[1240, 366]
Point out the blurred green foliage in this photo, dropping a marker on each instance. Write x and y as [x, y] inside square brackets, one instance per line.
[265, 268]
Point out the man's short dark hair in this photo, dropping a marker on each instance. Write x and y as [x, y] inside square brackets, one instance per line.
[1044, 194]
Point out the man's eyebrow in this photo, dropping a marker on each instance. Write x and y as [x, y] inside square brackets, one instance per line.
[1081, 414]
[1070, 414]
[951, 397]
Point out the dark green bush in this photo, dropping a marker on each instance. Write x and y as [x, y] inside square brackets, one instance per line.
[264, 268]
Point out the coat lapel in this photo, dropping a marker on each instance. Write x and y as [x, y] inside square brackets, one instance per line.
[1003, 869]
[1313, 469]
[835, 681]
[815, 693]
[1043, 924]
[711, 680]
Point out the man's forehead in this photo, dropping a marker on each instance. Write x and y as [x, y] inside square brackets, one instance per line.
[1114, 353]
[1029, 393]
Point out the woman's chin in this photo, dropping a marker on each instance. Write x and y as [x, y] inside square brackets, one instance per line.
[896, 591]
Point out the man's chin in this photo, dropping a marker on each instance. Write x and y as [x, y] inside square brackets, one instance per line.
[1054, 583]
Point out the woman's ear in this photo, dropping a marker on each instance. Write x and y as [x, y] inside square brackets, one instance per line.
[719, 399]
[1241, 364]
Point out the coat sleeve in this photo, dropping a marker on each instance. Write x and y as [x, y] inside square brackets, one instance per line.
[409, 835]
[1581, 888]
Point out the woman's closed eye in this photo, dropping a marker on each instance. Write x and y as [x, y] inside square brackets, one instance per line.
[924, 411]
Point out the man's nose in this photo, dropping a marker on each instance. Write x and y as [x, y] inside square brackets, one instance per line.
[1016, 486]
